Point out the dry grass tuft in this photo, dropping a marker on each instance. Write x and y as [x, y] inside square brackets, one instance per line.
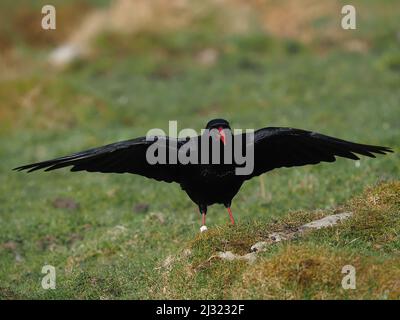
[314, 272]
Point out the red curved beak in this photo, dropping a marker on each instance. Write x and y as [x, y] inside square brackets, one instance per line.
[221, 134]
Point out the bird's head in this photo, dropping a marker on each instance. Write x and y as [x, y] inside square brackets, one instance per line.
[220, 125]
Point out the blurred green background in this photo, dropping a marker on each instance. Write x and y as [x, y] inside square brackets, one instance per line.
[112, 71]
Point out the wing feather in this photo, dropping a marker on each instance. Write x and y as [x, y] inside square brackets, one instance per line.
[276, 147]
[121, 157]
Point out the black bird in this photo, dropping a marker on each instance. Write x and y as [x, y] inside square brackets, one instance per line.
[207, 184]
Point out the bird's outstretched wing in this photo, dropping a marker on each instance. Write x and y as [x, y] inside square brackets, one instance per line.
[276, 147]
[120, 157]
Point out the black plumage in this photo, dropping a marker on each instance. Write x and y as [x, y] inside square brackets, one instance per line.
[207, 184]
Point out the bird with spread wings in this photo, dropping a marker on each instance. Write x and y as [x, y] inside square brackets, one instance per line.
[207, 184]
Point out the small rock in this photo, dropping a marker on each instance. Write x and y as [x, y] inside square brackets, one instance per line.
[259, 246]
[326, 221]
[227, 255]
[250, 257]
[276, 237]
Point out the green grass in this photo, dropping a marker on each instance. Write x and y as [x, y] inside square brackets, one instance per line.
[107, 249]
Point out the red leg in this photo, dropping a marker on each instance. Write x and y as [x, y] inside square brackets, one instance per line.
[203, 222]
[203, 219]
[231, 216]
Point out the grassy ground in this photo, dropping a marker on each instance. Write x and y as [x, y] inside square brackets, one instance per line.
[121, 236]
[307, 267]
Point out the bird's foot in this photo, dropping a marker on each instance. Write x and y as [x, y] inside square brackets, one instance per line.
[203, 229]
